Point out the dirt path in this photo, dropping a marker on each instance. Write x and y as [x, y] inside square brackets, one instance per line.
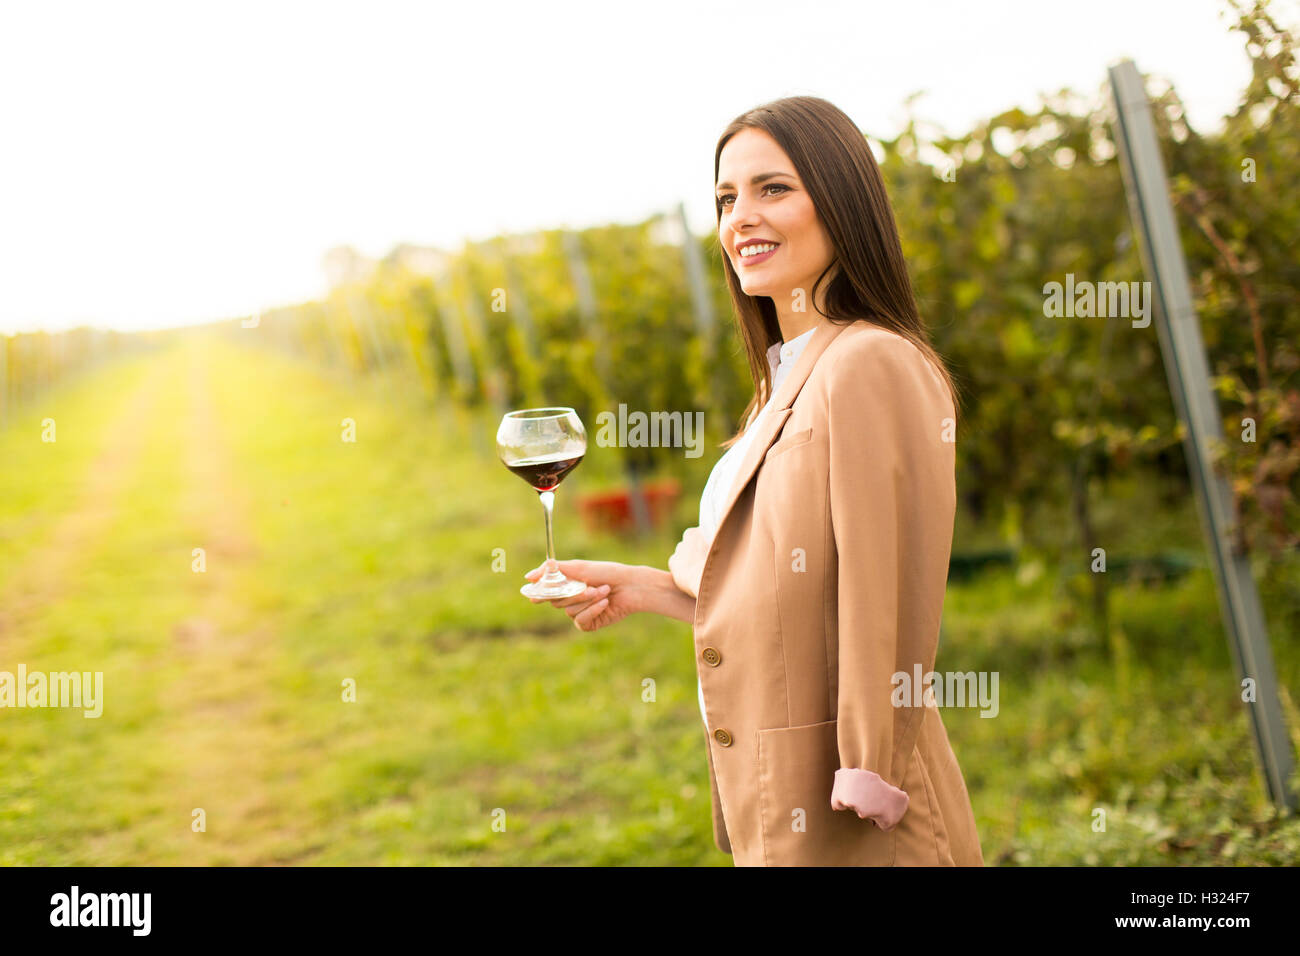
[217, 731]
[39, 580]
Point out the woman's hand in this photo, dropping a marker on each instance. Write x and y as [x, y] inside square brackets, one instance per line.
[868, 794]
[611, 595]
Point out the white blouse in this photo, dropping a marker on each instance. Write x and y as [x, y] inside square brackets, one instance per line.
[724, 473]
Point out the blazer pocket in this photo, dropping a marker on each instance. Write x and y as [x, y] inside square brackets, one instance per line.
[794, 440]
[796, 771]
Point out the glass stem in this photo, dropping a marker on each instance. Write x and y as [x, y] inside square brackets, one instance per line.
[552, 575]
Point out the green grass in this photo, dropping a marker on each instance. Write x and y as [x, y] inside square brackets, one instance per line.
[372, 561]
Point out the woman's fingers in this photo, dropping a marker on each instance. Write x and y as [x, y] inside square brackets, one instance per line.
[586, 597]
[586, 607]
[586, 620]
[582, 602]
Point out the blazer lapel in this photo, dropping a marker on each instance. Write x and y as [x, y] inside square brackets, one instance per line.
[775, 418]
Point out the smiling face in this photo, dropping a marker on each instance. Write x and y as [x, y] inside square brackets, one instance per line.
[775, 209]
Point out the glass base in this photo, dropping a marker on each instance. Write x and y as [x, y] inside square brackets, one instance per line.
[542, 590]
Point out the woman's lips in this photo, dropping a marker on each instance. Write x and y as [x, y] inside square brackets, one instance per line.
[761, 257]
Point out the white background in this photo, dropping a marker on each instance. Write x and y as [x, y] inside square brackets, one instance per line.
[169, 163]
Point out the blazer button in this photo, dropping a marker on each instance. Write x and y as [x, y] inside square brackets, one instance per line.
[722, 737]
[711, 656]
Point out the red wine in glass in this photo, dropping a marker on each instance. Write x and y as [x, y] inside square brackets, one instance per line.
[546, 472]
[541, 446]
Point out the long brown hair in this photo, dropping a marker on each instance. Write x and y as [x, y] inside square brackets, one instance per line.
[831, 156]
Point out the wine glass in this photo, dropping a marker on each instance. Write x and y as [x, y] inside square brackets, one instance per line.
[541, 446]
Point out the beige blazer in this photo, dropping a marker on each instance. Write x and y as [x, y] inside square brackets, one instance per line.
[825, 578]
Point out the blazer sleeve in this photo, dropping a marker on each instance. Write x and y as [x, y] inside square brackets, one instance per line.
[892, 502]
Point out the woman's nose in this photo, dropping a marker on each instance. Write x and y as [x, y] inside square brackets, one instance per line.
[741, 214]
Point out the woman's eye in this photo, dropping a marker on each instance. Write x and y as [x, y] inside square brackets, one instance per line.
[722, 200]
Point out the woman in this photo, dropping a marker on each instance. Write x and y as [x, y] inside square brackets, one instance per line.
[818, 568]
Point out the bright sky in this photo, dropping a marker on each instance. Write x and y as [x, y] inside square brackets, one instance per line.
[171, 163]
